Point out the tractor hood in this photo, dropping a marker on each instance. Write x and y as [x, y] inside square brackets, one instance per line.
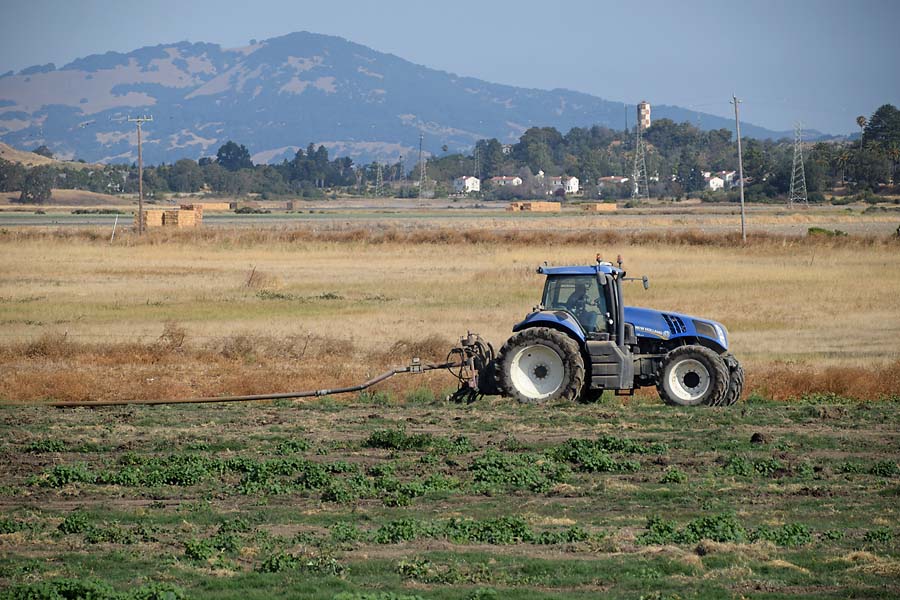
[655, 324]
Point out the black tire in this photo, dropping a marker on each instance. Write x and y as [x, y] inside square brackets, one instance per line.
[691, 376]
[735, 381]
[513, 376]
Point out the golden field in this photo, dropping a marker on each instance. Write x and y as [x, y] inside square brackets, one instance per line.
[240, 310]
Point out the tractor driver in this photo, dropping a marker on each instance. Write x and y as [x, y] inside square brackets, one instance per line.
[577, 304]
[577, 300]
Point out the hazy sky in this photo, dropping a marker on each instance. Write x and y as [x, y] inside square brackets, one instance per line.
[820, 61]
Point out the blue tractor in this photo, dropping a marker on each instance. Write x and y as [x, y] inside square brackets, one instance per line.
[582, 340]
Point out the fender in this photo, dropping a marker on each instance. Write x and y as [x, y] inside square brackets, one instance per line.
[554, 319]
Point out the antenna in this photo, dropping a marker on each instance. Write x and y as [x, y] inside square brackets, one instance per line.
[640, 188]
[798, 174]
[139, 121]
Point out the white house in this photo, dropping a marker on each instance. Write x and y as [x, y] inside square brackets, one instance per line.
[506, 180]
[567, 184]
[715, 183]
[466, 184]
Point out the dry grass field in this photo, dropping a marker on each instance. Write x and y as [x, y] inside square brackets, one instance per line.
[217, 311]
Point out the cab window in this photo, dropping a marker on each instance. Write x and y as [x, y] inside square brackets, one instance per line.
[579, 295]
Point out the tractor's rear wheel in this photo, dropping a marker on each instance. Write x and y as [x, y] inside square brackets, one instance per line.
[735, 380]
[540, 364]
[692, 375]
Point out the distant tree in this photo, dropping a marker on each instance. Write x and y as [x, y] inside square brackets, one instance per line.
[43, 150]
[185, 176]
[861, 122]
[11, 176]
[234, 157]
[36, 187]
[883, 127]
[869, 169]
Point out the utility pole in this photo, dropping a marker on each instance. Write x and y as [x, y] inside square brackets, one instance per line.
[737, 124]
[402, 174]
[139, 121]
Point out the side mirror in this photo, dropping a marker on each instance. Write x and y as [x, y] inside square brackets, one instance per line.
[646, 282]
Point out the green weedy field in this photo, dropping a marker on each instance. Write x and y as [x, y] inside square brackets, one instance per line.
[405, 497]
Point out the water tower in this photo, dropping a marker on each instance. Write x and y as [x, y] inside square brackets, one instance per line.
[643, 115]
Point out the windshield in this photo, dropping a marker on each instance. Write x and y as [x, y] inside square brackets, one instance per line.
[579, 295]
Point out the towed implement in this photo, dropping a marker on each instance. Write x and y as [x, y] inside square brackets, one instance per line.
[580, 341]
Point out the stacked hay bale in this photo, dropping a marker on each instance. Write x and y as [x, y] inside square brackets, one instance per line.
[179, 218]
[600, 207]
[213, 206]
[534, 207]
[197, 210]
[152, 218]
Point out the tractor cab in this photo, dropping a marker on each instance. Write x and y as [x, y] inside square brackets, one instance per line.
[579, 295]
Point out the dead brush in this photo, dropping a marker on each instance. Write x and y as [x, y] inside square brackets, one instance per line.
[378, 234]
[48, 345]
[261, 281]
[172, 337]
[789, 381]
[431, 348]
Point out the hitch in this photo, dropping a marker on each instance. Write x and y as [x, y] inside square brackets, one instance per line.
[476, 372]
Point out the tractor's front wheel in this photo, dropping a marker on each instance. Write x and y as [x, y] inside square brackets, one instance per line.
[540, 364]
[693, 375]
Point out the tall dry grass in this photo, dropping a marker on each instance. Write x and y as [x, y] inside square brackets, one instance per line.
[55, 368]
[221, 311]
[380, 233]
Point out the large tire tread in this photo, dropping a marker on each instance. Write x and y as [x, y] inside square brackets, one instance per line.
[735, 381]
[566, 347]
[714, 362]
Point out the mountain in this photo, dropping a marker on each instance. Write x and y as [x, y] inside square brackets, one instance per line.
[281, 94]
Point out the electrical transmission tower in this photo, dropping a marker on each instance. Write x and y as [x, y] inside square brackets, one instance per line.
[640, 188]
[422, 171]
[477, 163]
[379, 179]
[798, 174]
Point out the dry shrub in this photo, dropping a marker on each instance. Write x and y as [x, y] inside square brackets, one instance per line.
[248, 346]
[49, 345]
[240, 347]
[259, 280]
[172, 337]
[788, 381]
[432, 348]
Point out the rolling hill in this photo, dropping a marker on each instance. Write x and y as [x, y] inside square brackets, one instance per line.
[280, 94]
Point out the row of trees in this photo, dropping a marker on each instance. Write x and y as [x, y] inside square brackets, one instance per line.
[676, 156]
